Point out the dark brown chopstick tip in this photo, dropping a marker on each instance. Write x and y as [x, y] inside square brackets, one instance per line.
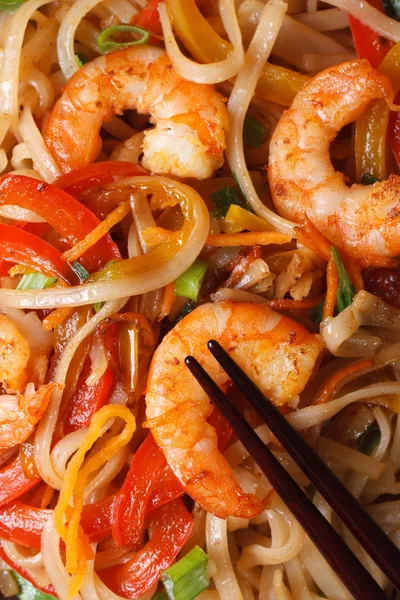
[212, 345]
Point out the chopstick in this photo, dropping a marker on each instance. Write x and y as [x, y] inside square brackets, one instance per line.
[348, 568]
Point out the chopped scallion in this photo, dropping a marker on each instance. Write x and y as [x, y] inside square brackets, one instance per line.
[11, 6]
[98, 306]
[29, 591]
[368, 179]
[80, 271]
[81, 59]
[368, 441]
[253, 132]
[185, 311]
[346, 290]
[106, 44]
[160, 596]
[247, 203]
[222, 200]
[316, 313]
[189, 283]
[35, 281]
[187, 578]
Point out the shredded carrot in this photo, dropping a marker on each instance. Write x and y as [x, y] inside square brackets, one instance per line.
[289, 304]
[140, 321]
[56, 317]
[261, 238]
[354, 270]
[332, 283]
[320, 242]
[77, 550]
[48, 493]
[20, 270]
[338, 379]
[98, 232]
[303, 238]
[154, 236]
[167, 301]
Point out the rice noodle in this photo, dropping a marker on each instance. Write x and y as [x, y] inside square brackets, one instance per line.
[217, 549]
[66, 35]
[40, 155]
[367, 14]
[23, 560]
[139, 283]
[243, 90]
[44, 432]
[213, 72]
[20, 214]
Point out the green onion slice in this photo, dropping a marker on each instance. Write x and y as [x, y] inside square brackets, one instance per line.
[187, 578]
[368, 179]
[253, 132]
[222, 199]
[28, 591]
[106, 44]
[80, 271]
[346, 290]
[368, 441]
[316, 313]
[35, 281]
[189, 283]
[159, 596]
[81, 59]
[11, 6]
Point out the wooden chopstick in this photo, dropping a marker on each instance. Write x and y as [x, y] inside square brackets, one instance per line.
[371, 537]
[345, 564]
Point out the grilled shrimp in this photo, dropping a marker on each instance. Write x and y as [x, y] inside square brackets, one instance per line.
[364, 220]
[20, 413]
[277, 353]
[190, 119]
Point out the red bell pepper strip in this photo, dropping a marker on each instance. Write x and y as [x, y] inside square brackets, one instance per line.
[26, 574]
[149, 18]
[393, 131]
[168, 488]
[63, 212]
[130, 506]
[96, 519]
[19, 246]
[369, 44]
[96, 175]
[13, 482]
[169, 528]
[23, 524]
[86, 399]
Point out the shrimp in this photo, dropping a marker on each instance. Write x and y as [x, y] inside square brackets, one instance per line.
[190, 119]
[22, 357]
[364, 220]
[279, 355]
[20, 413]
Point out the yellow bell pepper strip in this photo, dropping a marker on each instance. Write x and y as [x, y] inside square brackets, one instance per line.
[275, 84]
[371, 127]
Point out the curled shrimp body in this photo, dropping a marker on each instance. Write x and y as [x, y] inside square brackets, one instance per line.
[190, 119]
[23, 358]
[20, 413]
[276, 352]
[364, 220]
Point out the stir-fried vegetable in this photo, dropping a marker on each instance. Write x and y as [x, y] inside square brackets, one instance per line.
[27, 591]
[189, 283]
[368, 179]
[369, 440]
[132, 500]
[81, 271]
[70, 218]
[11, 6]
[223, 199]
[106, 44]
[187, 578]
[35, 281]
[253, 132]
[13, 482]
[346, 290]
